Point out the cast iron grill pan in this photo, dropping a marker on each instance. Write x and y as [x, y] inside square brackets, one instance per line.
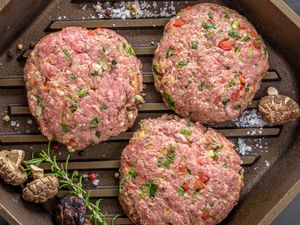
[103, 158]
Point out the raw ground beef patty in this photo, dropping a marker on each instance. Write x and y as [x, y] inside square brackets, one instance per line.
[83, 86]
[209, 63]
[176, 172]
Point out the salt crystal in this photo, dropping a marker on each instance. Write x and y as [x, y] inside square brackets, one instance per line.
[267, 163]
[13, 123]
[242, 148]
[83, 7]
[96, 182]
[29, 121]
[249, 118]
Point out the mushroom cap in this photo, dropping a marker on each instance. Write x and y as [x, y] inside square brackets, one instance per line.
[278, 109]
[70, 210]
[40, 190]
[11, 170]
[37, 172]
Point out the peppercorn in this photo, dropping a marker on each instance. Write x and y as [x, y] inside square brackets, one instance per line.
[107, 13]
[31, 44]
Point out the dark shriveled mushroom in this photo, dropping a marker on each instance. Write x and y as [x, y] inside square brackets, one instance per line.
[11, 170]
[70, 210]
[41, 188]
[278, 109]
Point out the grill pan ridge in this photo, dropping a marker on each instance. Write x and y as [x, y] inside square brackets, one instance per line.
[268, 174]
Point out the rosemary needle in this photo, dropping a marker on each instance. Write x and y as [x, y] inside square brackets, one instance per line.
[67, 181]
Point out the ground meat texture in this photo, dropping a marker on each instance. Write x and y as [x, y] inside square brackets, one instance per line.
[83, 86]
[209, 63]
[177, 172]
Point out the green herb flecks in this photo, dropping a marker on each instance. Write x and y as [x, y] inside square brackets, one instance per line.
[181, 64]
[250, 52]
[132, 172]
[226, 13]
[71, 182]
[234, 34]
[212, 154]
[189, 124]
[67, 55]
[104, 49]
[258, 41]
[168, 160]
[237, 50]
[104, 66]
[232, 83]
[235, 24]
[236, 107]
[180, 191]
[103, 107]
[91, 142]
[83, 92]
[169, 52]
[225, 101]
[128, 48]
[194, 45]
[64, 127]
[208, 26]
[151, 188]
[207, 45]
[247, 89]
[95, 73]
[210, 15]
[155, 69]
[201, 87]
[169, 99]
[41, 102]
[139, 99]
[98, 134]
[74, 107]
[186, 132]
[72, 77]
[95, 121]
[215, 148]
[246, 38]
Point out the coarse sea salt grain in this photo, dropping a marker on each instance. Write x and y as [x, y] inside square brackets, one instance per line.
[258, 146]
[142, 9]
[250, 118]
[242, 148]
[96, 182]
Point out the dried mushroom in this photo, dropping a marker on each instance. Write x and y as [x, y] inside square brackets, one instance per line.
[11, 170]
[41, 188]
[71, 210]
[278, 109]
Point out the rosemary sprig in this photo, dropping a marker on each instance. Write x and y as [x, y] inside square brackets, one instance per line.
[67, 181]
